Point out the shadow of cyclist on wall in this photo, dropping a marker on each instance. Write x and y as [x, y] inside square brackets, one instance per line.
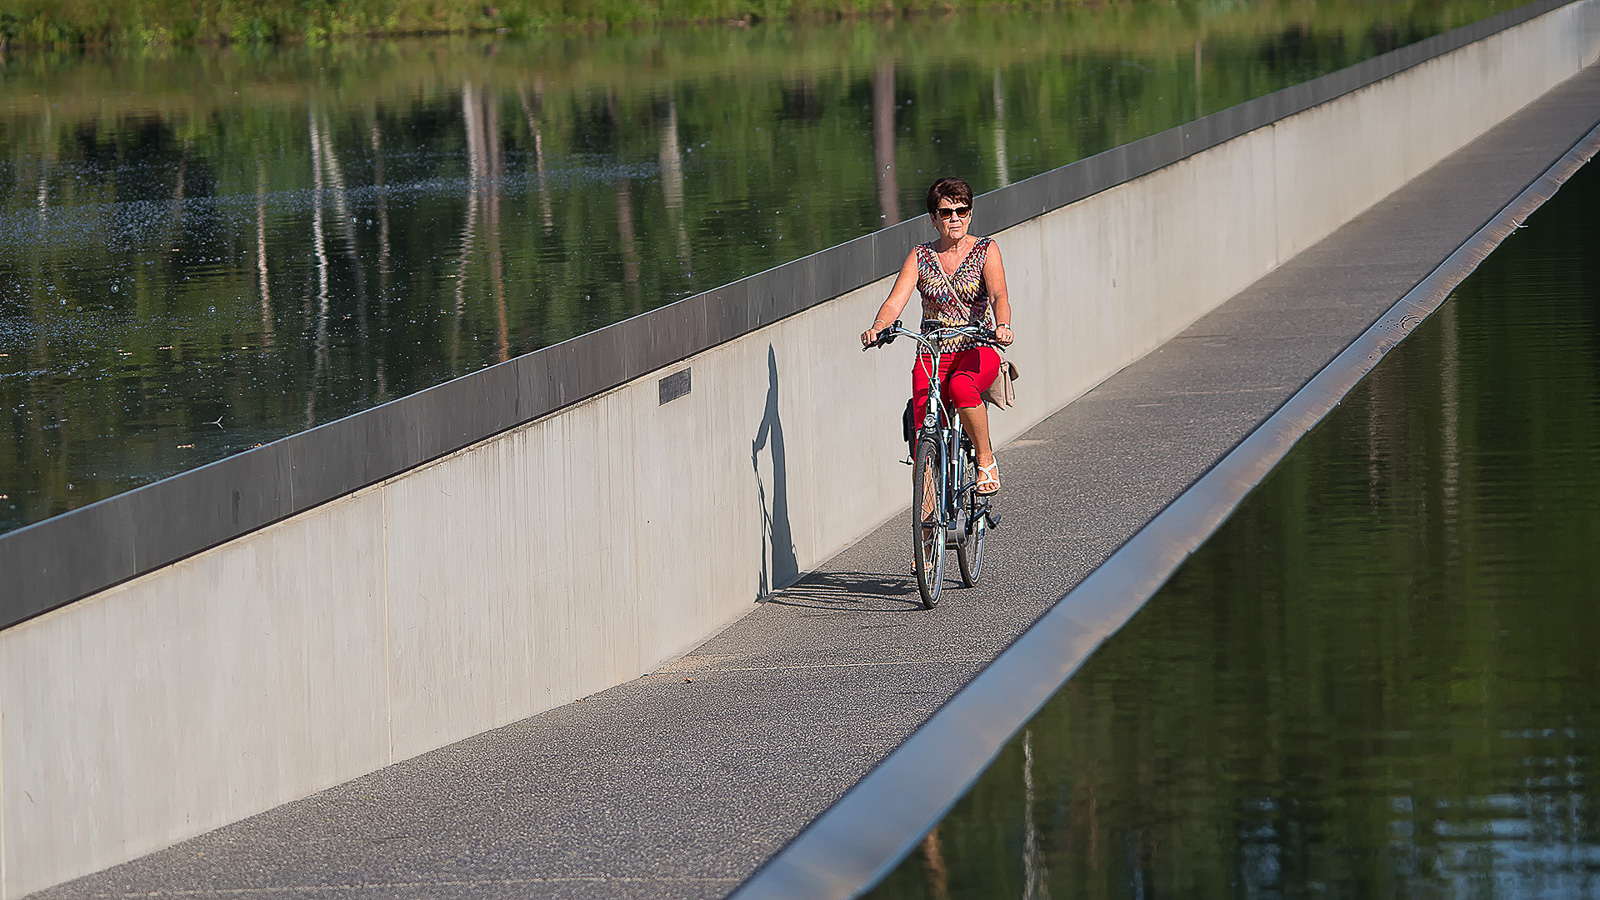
[778, 563]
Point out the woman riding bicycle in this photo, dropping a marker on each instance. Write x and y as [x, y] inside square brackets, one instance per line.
[962, 282]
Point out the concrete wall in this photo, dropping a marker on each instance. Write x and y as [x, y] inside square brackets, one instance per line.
[580, 550]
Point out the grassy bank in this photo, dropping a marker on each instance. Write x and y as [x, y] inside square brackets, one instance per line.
[158, 22]
[69, 86]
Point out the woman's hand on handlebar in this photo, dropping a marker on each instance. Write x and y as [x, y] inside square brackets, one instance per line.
[1003, 335]
[878, 335]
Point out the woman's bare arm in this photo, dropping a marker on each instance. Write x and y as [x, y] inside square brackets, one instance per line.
[904, 284]
[994, 278]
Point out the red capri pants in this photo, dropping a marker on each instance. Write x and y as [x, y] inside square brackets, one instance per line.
[963, 377]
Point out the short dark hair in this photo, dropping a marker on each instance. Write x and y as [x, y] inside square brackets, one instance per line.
[948, 189]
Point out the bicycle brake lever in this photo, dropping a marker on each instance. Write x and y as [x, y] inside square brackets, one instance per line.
[885, 337]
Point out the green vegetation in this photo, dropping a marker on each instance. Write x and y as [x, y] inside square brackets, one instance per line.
[160, 23]
[163, 22]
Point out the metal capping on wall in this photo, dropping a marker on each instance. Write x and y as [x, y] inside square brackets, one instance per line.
[70, 556]
[859, 839]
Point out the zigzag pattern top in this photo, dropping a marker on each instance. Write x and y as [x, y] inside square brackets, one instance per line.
[960, 298]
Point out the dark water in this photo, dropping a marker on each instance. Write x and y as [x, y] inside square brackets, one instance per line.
[201, 251]
[1381, 677]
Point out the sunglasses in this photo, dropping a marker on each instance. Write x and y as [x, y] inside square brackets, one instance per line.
[953, 212]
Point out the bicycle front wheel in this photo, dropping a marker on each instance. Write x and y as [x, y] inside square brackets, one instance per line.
[927, 520]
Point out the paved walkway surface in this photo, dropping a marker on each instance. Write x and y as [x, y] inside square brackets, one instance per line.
[682, 783]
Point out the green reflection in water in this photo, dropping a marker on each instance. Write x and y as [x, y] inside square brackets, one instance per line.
[1379, 678]
[206, 250]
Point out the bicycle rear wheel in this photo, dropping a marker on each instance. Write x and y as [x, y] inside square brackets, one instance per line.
[969, 553]
[927, 525]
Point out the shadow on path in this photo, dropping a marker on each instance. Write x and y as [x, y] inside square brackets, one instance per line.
[852, 591]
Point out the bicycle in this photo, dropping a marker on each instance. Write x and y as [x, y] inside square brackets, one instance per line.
[946, 508]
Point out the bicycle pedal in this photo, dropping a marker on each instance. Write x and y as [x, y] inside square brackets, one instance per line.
[994, 518]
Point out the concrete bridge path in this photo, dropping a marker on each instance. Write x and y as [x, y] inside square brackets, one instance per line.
[681, 783]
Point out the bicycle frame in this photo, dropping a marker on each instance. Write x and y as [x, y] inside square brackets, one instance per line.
[948, 436]
[937, 457]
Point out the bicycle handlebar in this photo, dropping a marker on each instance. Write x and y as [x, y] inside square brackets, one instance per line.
[927, 338]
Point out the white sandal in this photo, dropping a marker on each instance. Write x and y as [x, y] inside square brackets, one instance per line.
[989, 474]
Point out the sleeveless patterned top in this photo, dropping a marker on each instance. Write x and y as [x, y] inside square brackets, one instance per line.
[960, 298]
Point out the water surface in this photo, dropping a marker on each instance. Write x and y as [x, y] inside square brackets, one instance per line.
[201, 251]
[1380, 677]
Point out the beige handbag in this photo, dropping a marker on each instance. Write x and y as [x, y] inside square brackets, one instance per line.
[1003, 393]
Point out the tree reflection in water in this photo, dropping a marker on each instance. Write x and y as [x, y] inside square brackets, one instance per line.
[190, 237]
